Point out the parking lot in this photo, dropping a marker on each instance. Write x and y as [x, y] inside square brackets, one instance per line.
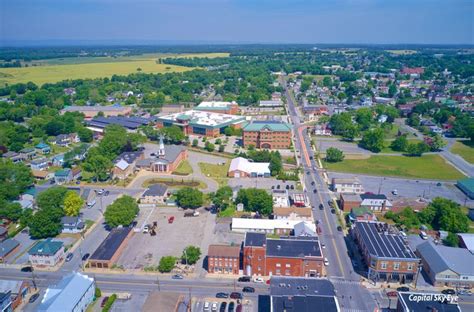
[199, 303]
[262, 183]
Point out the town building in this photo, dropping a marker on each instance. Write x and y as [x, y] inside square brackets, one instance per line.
[72, 225]
[267, 134]
[362, 214]
[270, 103]
[305, 229]
[171, 109]
[43, 148]
[347, 186]
[447, 266]
[46, 253]
[165, 160]
[289, 256]
[92, 111]
[110, 249]
[39, 164]
[8, 247]
[28, 153]
[14, 157]
[75, 292]
[223, 259]
[242, 168]
[349, 201]
[67, 139]
[293, 213]
[280, 198]
[125, 164]
[63, 176]
[155, 194]
[387, 254]
[375, 202]
[131, 124]
[269, 226]
[425, 301]
[467, 186]
[17, 289]
[42, 174]
[6, 302]
[230, 108]
[201, 123]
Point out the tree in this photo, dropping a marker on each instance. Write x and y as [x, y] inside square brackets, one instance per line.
[373, 140]
[451, 240]
[364, 117]
[52, 198]
[445, 214]
[12, 211]
[173, 134]
[167, 263]
[256, 200]
[189, 198]
[334, 155]
[98, 164]
[400, 144]
[221, 148]
[437, 143]
[191, 254]
[44, 225]
[417, 149]
[121, 212]
[72, 204]
[195, 143]
[98, 292]
[14, 179]
[209, 146]
[222, 197]
[85, 135]
[350, 132]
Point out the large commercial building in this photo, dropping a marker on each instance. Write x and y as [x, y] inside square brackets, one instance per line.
[231, 108]
[92, 111]
[241, 168]
[267, 134]
[386, 253]
[289, 256]
[347, 185]
[467, 186]
[98, 124]
[201, 122]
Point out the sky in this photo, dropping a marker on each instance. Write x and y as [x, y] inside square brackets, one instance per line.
[238, 21]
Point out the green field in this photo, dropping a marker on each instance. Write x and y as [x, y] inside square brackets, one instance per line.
[215, 172]
[55, 70]
[184, 168]
[425, 167]
[465, 149]
[175, 183]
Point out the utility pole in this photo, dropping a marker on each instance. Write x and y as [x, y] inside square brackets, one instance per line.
[158, 283]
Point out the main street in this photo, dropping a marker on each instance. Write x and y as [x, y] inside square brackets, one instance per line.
[351, 295]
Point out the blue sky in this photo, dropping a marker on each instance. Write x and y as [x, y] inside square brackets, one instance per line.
[263, 21]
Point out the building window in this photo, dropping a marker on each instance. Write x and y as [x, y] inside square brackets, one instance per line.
[396, 266]
[277, 272]
[278, 265]
[383, 265]
[410, 266]
[288, 265]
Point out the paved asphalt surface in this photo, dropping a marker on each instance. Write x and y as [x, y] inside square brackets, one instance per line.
[351, 295]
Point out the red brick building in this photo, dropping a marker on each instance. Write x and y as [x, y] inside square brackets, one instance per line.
[223, 259]
[267, 134]
[350, 201]
[282, 257]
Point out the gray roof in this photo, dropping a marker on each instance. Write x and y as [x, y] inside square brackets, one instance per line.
[10, 285]
[111, 244]
[304, 304]
[255, 239]
[441, 258]
[129, 157]
[7, 246]
[293, 248]
[3, 230]
[300, 286]
[171, 153]
[156, 190]
[66, 294]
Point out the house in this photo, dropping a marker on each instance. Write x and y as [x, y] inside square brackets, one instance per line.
[6, 302]
[241, 167]
[63, 176]
[165, 160]
[125, 164]
[347, 186]
[466, 240]
[66, 139]
[42, 175]
[287, 256]
[8, 247]
[18, 290]
[28, 153]
[43, 148]
[361, 214]
[3, 233]
[75, 292]
[72, 224]
[270, 226]
[280, 198]
[58, 160]
[46, 253]
[14, 157]
[388, 256]
[467, 187]
[108, 252]
[349, 201]
[293, 213]
[25, 203]
[425, 301]
[375, 202]
[155, 194]
[39, 164]
[447, 266]
[223, 259]
[267, 134]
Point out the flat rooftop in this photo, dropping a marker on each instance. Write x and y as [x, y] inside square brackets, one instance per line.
[294, 286]
[293, 248]
[202, 118]
[381, 241]
[109, 246]
[214, 105]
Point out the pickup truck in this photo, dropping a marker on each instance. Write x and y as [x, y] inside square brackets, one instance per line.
[191, 213]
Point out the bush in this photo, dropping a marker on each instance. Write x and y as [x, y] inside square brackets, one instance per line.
[109, 303]
[334, 155]
[98, 292]
[191, 255]
[166, 264]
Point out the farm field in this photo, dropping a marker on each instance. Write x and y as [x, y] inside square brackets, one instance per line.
[54, 70]
[425, 167]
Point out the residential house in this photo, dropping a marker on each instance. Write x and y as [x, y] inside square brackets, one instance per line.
[447, 266]
[43, 148]
[66, 139]
[39, 164]
[387, 254]
[58, 160]
[14, 157]
[125, 164]
[3, 233]
[347, 186]
[18, 290]
[72, 224]
[155, 194]
[8, 247]
[46, 253]
[223, 259]
[42, 175]
[75, 292]
[293, 213]
[63, 176]
[28, 153]
[375, 202]
[241, 167]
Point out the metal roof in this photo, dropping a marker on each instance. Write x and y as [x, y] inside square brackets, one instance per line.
[441, 258]
[7, 246]
[293, 248]
[47, 247]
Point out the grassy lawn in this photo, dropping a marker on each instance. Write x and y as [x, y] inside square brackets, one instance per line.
[216, 172]
[184, 168]
[425, 167]
[176, 183]
[75, 68]
[465, 149]
[229, 212]
[388, 149]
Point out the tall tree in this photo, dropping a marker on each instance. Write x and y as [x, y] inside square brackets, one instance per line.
[189, 198]
[121, 212]
[191, 254]
[72, 204]
[373, 140]
[334, 155]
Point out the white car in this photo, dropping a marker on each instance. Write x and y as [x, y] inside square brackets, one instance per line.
[91, 204]
[207, 306]
[145, 229]
[214, 306]
[323, 246]
[258, 280]
[326, 261]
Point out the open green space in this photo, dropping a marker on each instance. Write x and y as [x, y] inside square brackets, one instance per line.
[424, 167]
[55, 70]
[184, 168]
[388, 149]
[216, 172]
[465, 149]
[176, 183]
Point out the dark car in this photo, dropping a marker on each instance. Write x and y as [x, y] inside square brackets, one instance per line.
[321, 206]
[392, 294]
[333, 210]
[330, 203]
[244, 279]
[86, 256]
[448, 291]
[223, 306]
[231, 306]
[104, 301]
[248, 289]
[34, 297]
[106, 193]
[307, 172]
[339, 228]
[312, 182]
[236, 295]
[403, 288]
[69, 257]
[239, 308]
[311, 157]
[222, 295]
[27, 269]
[315, 191]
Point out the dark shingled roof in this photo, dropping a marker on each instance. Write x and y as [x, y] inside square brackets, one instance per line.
[112, 242]
[304, 304]
[156, 190]
[255, 239]
[293, 248]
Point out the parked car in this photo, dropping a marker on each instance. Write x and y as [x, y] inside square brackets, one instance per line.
[258, 280]
[100, 192]
[392, 294]
[312, 182]
[315, 191]
[323, 246]
[326, 261]
[33, 298]
[239, 308]
[403, 288]
[170, 219]
[395, 192]
[104, 301]
[321, 206]
[91, 203]
[339, 228]
[223, 306]
[448, 291]
[69, 256]
[248, 289]
[231, 306]
[222, 295]
[214, 306]
[177, 276]
[333, 210]
[27, 269]
[86, 256]
[244, 279]
[106, 193]
[236, 295]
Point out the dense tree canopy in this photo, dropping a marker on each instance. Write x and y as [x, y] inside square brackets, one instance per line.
[188, 197]
[121, 212]
[256, 200]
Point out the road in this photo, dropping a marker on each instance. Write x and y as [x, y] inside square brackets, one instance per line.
[351, 295]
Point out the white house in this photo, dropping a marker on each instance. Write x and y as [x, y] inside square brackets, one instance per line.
[46, 253]
[347, 186]
[241, 167]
